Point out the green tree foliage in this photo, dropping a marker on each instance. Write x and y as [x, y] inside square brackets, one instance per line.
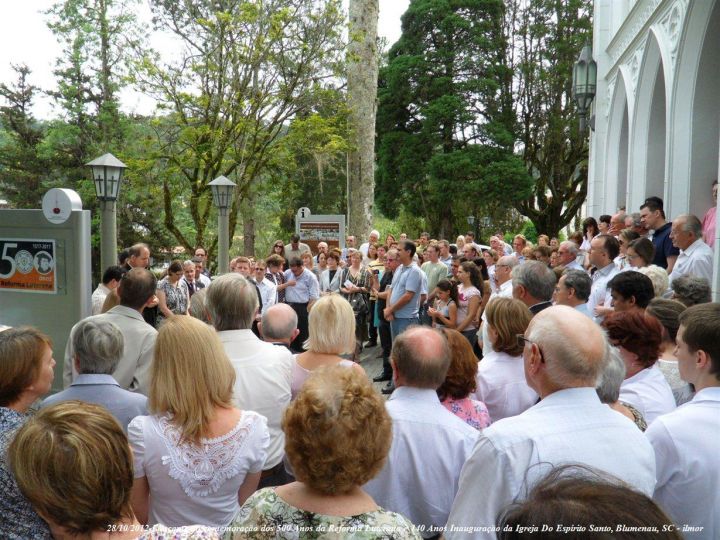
[23, 169]
[445, 125]
[246, 69]
[545, 38]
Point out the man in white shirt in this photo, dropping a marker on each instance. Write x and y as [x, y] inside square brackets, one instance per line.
[503, 278]
[193, 285]
[200, 275]
[266, 288]
[322, 248]
[567, 255]
[263, 371]
[136, 291]
[573, 290]
[110, 281]
[372, 239]
[696, 257]
[430, 444]
[687, 440]
[603, 250]
[564, 354]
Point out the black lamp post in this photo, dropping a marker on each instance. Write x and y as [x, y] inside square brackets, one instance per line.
[107, 171]
[223, 190]
[584, 84]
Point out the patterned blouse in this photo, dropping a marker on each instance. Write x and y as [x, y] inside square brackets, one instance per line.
[266, 516]
[278, 278]
[470, 411]
[18, 520]
[176, 298]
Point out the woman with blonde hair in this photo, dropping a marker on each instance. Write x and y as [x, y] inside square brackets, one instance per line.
[454, 392]
[331, 328]
[197, 458]
[337, 437]
[83, 449]
[501, 383]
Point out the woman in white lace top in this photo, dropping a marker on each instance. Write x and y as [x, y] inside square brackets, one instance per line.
[197, 458]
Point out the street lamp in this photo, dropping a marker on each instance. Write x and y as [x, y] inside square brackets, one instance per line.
[584, 84]
[107, 171]
[471, 222]
[223, 190]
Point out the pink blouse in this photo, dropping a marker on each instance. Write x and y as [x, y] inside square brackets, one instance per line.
[470, 411]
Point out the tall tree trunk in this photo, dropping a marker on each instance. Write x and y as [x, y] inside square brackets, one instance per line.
[362, 72]
[248, 217]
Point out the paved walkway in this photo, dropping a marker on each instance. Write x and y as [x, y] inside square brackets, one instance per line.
[372, 364]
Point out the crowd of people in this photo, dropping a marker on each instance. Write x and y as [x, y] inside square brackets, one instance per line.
[571, 382]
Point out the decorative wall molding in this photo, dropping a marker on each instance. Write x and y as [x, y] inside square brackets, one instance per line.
[637, 19]
[610, 94]
[672, 23]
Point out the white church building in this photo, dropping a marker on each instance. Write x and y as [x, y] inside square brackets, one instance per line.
[657, 105]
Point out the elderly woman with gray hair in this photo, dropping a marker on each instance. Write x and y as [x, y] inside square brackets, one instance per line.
[608, 388]
[98, 347]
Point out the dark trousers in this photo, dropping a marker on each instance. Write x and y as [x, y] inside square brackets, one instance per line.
[302, 315]
[277, 476]
[386, 344]
[372, 329]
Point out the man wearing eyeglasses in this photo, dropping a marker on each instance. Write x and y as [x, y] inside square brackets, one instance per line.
[564, 353]
[567, 255]
[503, 278]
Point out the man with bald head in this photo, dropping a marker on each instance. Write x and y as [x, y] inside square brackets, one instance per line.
[279, 325]
[564, 354]
[430, 444]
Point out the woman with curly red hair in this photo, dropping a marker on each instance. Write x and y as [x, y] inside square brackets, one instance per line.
[638, 336]
[337, 437]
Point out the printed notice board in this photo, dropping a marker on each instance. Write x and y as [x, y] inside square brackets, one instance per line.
[27, 265]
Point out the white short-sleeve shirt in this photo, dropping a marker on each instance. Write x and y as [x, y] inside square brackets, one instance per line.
[501, 385]
[687, 445]
[196, 484]
[649, 392]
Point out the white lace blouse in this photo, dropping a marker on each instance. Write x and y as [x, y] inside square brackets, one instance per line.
[192, 484]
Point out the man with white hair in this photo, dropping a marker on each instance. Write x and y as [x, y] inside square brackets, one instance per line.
[264, 372]
[373, 238]
[322, 247]
[567, 255]
[696, 257]
[564, 354]
[534, 284]
[503, 278]
[573, 290]
[98, 345]
[430, 444]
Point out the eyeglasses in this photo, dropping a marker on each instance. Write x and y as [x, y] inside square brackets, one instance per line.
[522, 341]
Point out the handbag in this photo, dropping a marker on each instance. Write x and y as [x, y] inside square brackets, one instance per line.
[358, 301]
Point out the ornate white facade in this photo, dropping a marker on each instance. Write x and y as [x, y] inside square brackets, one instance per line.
[657, 107]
